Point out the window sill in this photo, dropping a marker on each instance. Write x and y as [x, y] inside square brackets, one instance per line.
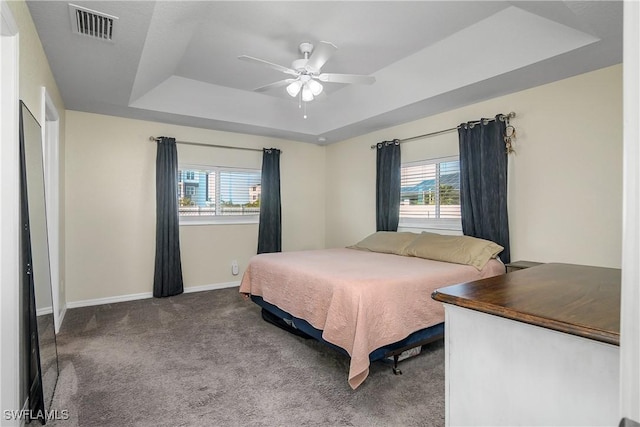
[443, 224]
[221, 220]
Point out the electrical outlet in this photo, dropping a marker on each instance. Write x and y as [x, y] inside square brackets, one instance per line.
[234, 267]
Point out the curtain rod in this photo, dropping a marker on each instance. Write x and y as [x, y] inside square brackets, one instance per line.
[153, 138]
[502, 117]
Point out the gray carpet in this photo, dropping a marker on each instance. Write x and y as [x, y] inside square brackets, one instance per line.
[208, 359]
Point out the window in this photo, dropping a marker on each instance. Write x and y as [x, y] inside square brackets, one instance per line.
[430, 194]
[218, 195]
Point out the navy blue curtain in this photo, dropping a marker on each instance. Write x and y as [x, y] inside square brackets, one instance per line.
[483, 182]
[388, 185]
[270, 227]
[167, 280]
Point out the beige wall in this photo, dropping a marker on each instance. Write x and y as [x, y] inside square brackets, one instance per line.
[110, 204]
[565, 187]
[565, 180]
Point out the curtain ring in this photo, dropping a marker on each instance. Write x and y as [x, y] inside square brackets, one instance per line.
[379, 144]
[396, 141]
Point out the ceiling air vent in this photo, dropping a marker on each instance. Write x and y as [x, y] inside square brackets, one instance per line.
[91, 23]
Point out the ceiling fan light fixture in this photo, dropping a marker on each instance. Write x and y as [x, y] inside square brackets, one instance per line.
[307, 94]
[315, 86]
[294, 88]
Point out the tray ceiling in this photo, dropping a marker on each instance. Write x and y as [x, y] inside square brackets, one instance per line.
[176, 62]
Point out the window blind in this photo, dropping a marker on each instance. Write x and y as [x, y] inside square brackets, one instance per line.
[430, 189]
[216, 191]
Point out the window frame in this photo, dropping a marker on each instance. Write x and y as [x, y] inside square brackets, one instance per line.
[216, 219]
[451, 224]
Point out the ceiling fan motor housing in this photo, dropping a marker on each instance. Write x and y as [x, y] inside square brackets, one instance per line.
[300, 65]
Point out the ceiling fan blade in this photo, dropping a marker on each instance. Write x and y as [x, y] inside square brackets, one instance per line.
[320, 55]
[268, 64]
[346, 78]
[280, 83]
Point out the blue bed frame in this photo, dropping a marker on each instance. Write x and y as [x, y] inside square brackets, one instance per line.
[416, 339]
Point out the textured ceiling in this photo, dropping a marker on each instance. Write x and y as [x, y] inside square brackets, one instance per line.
[177, 62]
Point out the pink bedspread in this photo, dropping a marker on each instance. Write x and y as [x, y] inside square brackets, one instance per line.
[360, 300]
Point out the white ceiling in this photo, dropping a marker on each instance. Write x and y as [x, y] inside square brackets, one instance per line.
[176, 61]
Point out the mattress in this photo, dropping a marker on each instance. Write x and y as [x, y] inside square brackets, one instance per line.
[360, 300]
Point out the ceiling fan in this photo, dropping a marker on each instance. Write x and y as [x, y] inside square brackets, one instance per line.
[306, 72]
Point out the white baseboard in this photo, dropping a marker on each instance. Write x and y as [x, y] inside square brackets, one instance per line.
[44, 310]
[145, 295]
[211, 287]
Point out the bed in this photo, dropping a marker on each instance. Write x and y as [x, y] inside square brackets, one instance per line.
[363, 300]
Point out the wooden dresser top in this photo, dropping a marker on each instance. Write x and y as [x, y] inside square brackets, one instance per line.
[575, 299]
